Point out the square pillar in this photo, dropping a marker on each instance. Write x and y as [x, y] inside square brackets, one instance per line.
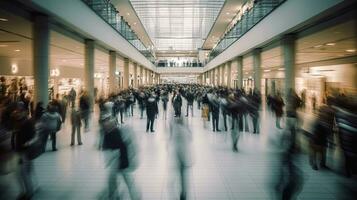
[229, 74]
[112, 69]
[239, 72]
[41, 42]
[257, 69]
[135, 75]
[126, 74]
[288, 45]
[89, 69]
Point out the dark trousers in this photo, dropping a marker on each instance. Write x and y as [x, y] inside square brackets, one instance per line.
[53, 138]
[224, 113]
[215, 122]
[234, 120]
[241, 118]
[74, 129]
[150, 123]
[177, 111]
[255, 119]
[121, 116]
[189, 106]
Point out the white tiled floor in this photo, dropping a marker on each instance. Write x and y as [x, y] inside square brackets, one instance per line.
[217, 173]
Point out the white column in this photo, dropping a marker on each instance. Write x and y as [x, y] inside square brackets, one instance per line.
[89, 69]
[41, 37]
[257, 68]
[126, 74]
[135, 75]
[229, 74]
[288, 45]
[240, 71]
[112, 69]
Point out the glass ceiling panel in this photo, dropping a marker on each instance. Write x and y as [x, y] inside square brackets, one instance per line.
[177, 24]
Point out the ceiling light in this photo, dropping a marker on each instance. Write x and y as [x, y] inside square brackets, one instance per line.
[351, 50]
[227, 13]
[3, 20]
[134, 23]
[331, 44]
[128, 13]
[318, 46]
[3, 45]
[281, 69]
[267, 70]
[17, 50]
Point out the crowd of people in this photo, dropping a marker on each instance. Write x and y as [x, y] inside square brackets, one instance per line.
[28, 127]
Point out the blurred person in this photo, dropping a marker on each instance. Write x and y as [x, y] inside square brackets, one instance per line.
[277, 107]
[223, 104]
[76, 126]
[177, 103]
[255, 102]
[322, 129]
[164, 99]
[290, 180]
[84, 108]
[50, 125]
[3, 88]
[181, 137]
[313, 102]
[39, 110]
[141, 101]
[72, 95]
[151, 112]
[121, 156]
[189, 98]
[24, 131]
[214, 108]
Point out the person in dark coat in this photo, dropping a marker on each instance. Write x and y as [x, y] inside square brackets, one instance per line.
[214, 108]
[76, 126]
[177, 103]
[24, 131]
[84, 108]
[189, 98]
[151, 112]
[277, 107]
[255, 101]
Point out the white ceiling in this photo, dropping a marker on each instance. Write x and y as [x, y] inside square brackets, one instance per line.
[177, 25]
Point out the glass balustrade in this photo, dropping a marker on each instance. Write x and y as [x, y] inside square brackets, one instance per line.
[109, 14]
[247, 19]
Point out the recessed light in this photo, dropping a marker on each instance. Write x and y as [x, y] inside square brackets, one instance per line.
[64, 60]
[3, 20]
[227, 13]
[351, 50]
[134, 23]
[3, 45]
[281, 69]
[128, 13]
[17, 50]
[331, 44]
[267, 70]
[318, 46]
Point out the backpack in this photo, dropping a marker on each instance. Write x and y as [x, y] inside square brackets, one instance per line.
[50, 123]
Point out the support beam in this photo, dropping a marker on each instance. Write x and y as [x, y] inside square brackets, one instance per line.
[41, 37]
[135, 75]
[288, 45]
[240, 72]
[229, 74]
[126, 74]
[89, 69]
[257, 69]
[112, 69]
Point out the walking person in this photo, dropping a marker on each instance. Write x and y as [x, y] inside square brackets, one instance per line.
[76, 126]
[164, 99]
[277, 107]
[177, 103]
[72, 97]
[50, 125]
[151, 112]
[84, 108]
[189, 98]
[214, 108]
